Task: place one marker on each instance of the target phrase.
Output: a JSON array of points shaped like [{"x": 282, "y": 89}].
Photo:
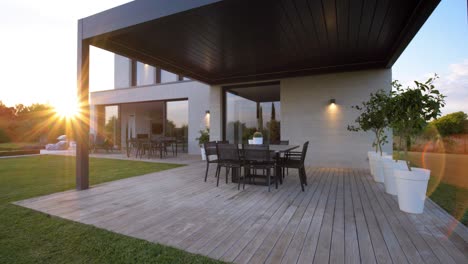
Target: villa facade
[
  {"x": 290, "y": 69},
  {"x": 153, "y": 102}
]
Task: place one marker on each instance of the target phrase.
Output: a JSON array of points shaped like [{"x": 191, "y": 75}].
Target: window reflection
[
  {"x": 177, "y": 121},
  {"x": 145, "y": 74},
  {"x": 112, "y": 125},
  {"x": 168, "y": 77},
  {"x": 246, "y": 116}
]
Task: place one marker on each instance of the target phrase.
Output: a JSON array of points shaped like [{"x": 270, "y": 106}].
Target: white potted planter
[
  {"x": 202, "y": 139},
  {"x": 251, "y": 141},
  {"x": 376, "y": 164},
  {"x": 258, "y": 140},
  {"x": 371, "y": 156},
  {"x": 203, "y": 153},
  {"x": 389, "y": 174},
  {"x": 378, "y": 169},
  {"x": 411, "y": 188}
]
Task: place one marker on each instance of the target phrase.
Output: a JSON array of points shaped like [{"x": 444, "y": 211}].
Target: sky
[{"x": 38, "y": 51}]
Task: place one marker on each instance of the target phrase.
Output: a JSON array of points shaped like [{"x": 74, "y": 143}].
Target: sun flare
[{"x": 66, "y": 109}]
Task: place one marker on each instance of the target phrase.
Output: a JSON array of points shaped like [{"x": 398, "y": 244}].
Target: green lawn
[
  {"x": 451, "y": 198},
  {"x": 27, "y": 236}
]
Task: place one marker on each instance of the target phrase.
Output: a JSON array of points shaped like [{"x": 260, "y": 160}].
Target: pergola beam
[
  {"x": 124, "y": 16},
  {"x": 82, "y": 122}
]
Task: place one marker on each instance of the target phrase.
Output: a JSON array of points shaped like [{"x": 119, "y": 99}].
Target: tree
[
  {"x": 273, "y": 112},
  {"x": 6, "y": 112},
  {"x": 374, "y": 117},
  {"x": 260, "y": 119},
  {"x": 412, "y": 108},
  {"x": 451, "y": 124}
]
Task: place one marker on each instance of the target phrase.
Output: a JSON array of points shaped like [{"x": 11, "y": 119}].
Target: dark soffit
[{"x": 221, "y": 42}]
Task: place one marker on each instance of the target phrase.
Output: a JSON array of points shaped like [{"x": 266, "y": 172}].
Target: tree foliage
[
  {"x": 451, "y": 124},
  {"x": 23, "y": 123},
  {"x": 374, "y": 117},
  {"x": 412, "y": 107}
]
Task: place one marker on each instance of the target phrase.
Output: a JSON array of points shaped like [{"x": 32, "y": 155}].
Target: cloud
[{"x": 453, "y": 84}]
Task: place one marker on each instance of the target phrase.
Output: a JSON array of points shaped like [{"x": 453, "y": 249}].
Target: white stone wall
[
  {"x": 216, "y": 113},
  {"x": 122, "y": 72},
  {"x": 308, "y": 116}
]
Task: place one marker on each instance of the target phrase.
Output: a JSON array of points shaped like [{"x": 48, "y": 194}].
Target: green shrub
[
  {"x": 451, "y": 124},
  {"x": 19, "y": 152},
  {"x": 4, "y": 138}
]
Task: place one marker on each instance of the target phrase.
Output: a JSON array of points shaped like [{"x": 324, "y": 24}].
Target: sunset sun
[{"x": 66, "y": 109}]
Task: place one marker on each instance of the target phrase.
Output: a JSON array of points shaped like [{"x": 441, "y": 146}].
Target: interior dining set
[
  {"x": 263, "y": 164},
  {"x": 159, "y": 146}
]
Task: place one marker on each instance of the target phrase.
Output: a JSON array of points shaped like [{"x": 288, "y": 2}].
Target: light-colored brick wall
[{"x": 308, "y": 116}]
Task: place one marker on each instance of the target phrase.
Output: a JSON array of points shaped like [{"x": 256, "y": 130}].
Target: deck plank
[
  {"x": 398, "y": 221},
  {"x": 402, "y": 247},
  {"x": 382, "y": 254},
  {"x": 342, "y": 217},
  {"x": 337, "y": 250},
  {"x": 351, "y": 241},
  {"x": 310, "y": 243},
  {"x": 294, "y": 250}
]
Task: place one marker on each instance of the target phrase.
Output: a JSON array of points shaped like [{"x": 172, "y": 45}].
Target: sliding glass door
[{"x": 177, "y": 121}]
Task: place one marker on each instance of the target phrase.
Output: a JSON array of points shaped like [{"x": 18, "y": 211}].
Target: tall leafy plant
[
  {"x": 413, "y": 107},
  {"x": 374, "y": 117}
]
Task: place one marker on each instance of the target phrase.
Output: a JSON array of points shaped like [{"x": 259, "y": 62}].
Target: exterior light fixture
[
  {"x": 332, "y": 101},
  {"x": 207, "y": 112}
]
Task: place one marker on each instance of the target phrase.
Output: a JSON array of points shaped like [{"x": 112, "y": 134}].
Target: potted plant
[
  {"x": 258, "y": 138},
  {"x": 202, "y": 139},
  {"x": 413, "y": 108},
  {"x": 389, "y": 165},
  {"x": 373, "y": 118}
]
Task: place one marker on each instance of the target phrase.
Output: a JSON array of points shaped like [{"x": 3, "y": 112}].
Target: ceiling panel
[{"x": 252, "y": 40}]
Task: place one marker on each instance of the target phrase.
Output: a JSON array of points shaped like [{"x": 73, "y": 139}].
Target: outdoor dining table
[
  {"x": 278, "y": 150},
  {"x": 146, "y": 144}
]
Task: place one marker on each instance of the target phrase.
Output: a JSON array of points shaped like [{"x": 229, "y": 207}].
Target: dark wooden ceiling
[{"x": 251, "y": 40}]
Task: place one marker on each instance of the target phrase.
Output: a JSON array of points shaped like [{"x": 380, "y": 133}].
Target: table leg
[{"x": 278, "y": 171}]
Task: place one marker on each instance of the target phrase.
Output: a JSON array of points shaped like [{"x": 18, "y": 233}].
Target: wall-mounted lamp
[
  {"x": 207, "y": 112},
  {"x": 332, "y": 101}
]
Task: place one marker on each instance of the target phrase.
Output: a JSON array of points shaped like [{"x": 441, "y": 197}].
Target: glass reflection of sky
[
  {"x": 111, "y": 111},
  {"x": 177, "y": 112},
  {"x": 244, "y": 110}
]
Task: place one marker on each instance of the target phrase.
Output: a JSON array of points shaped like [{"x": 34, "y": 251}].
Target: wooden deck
[{"x": 342, "y": 217}]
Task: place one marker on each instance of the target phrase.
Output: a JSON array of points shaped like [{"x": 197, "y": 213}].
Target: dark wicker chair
[
  {"x": 258, "y": 157},
  {"x": 295, "y": 160},
  {"x": 229, "y": 158},
  {"x": 210, "y": 152}
]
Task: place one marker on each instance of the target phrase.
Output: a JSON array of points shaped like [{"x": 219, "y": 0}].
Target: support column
[
  {"x": 82, "y": 122},
  {"x": 216, "y": 114}
]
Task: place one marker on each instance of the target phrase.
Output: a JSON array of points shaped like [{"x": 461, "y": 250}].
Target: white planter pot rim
[{"x": 416, "y": 174}]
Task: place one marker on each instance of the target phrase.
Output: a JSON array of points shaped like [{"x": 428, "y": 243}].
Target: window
[
  {"x": 168, "y": 77},
  {"x": 177, "y": 121},
  {"x": 145, "y": 74},
  {"x": 251, "y": 109},
  {"x": 112, "y": 125}
]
